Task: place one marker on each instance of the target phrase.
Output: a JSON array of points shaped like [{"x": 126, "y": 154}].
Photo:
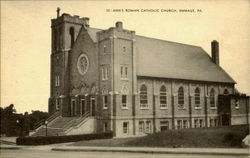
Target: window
[
  {"x": 196, "y": 123},
  {"x": 55, "y": 40},
  {"x": 105, "y": 127},
  {"x": 148, "y": 127},
  {"x": 212, "y": 98},
  {"x": 197, "y": 97},
  {"x": 185, "y": 124},
  {"x": 125, "y": 127},
  {"x": 181, "y": 97},
  {"x": 104, "y": 73},
  {"x": 60, "y": 38},
  {"x": 215, "y": 122},
  {"x": 201, "y": 123},
  {"x": 57, "y": 81},
  {"x": 124, "y": 49},
  {"x": 143, "y": 97},
  {"x": 72, "y": 36},
  {"x": 163, "y": 97},
  {"x": 105, "y": 102},
  {"x": 226, "y": 91},
  {"x": 237, "y": 104},
  {"x": 141, "y": 126},
  {"x": 105, "y": 98},
  {"x": 164, "y": 125},
  {"x": 179, "y": 124},
  {"x": 124, "y": 101},
  {"x": 104, "y": 49},
  {"x": 124, "y": 72},
  {"x": 124, "y": 97},
  {"x": 211, "y": 122},
  {"x": 57, "y": 104}
]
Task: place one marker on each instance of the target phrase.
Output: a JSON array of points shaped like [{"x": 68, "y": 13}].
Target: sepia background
[{"x": 26, "y": 38}]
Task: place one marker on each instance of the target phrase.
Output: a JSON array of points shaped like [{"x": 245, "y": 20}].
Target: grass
[{"x": 222, "y": 137}]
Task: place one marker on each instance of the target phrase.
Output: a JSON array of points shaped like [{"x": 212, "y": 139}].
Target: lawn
[{"x": 224, "y": 137}]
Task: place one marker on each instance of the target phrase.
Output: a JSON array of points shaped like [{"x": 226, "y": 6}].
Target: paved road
[{"x": 43, "y": 153}]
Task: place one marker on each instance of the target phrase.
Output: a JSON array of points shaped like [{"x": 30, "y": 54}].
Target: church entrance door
[
  {"x": 83, "y": 106},
  {"x": 73, "y": 107},
  {"x": 93, "y": 106}
]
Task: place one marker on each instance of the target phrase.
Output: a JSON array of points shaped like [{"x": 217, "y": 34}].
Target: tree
[{"x": 11, "y": 127}]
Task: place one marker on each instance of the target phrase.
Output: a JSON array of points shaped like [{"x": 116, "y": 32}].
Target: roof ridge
[
  {"x": 168, "y": 41},
  {"x": 95, "y": 28}
]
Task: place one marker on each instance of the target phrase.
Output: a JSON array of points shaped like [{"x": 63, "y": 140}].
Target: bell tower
[{"x": 65, "y": 29}]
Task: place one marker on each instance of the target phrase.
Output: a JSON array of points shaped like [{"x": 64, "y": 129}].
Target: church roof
[
  {"x": 92, "y": 33},
  {"x": 158, "y": 58},
  {"x": 165, "y": 59}
]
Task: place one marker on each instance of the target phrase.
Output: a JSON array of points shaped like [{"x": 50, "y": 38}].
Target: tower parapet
[{"x": 75, "y": 19}]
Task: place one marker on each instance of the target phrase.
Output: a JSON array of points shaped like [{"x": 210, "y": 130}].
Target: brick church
[{"x": 115, "y": 80}]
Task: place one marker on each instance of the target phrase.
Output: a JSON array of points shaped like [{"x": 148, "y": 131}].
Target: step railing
[
  {"x": 81, "y": 119},
  {"x": 49, "y": 119},
  {"x": 76, "y": 123}
]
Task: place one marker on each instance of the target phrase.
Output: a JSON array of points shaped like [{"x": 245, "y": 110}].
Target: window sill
[
  {"x": 181, "y": 107},
  {"x": 146, "y": 108},
  {"x": 124, "y": 79},
  {"x": 237, "y": 108},
  {"x": 163, "y": 108},
  {"x": 105, "y": 108},
  {"x": 104, "y": 79},
  {"x": 124, "y": 108},
  {"x": 197, "y": 108},
  {"x": 213, "y": 108}
]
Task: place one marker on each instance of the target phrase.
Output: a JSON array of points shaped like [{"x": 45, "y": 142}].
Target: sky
[{"x": 26, "y": 38}]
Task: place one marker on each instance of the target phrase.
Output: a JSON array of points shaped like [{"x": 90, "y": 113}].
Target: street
[{"x": 44, "y": 153}]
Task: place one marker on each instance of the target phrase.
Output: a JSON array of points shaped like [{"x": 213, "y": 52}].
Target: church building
[{"x": 115, "y": 80}]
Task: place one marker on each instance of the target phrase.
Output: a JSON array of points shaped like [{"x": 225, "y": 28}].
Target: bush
[{"x": 43, "y": 140}]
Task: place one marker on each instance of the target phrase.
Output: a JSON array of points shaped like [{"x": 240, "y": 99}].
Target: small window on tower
[
  {"x": 104, "y": 73},
  {"x": 104, "y": 49},
  {"x": 105, "y": 102},
  {"x": 124, "y": 49},
  {"x": 72, "y": 36},
  {"x": 237, "y": 104},
  {"x": 57, "y": 81},
  {"x": 55, "y": 40},
  {"x": 124, "y": 72}
]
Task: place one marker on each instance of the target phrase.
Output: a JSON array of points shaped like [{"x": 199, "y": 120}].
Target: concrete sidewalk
[
  {"x": 9, "y": 143},
  {"x": 199, "y": 151}
]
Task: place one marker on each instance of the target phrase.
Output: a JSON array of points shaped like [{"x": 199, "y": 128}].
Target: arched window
[
  {"x": 72, "y": 36},
  {"x": 212, "y": 98},
  {"x": 181, "y": 97},
  {"x": 59, "y": 46},
  {"x": 197, "y": 97},
  {"x": 55, "y": 40},
  {"x": 226, "y": 91},
  {"x": 163, "y": 97},
  {"x": 143, "y": 96}
]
